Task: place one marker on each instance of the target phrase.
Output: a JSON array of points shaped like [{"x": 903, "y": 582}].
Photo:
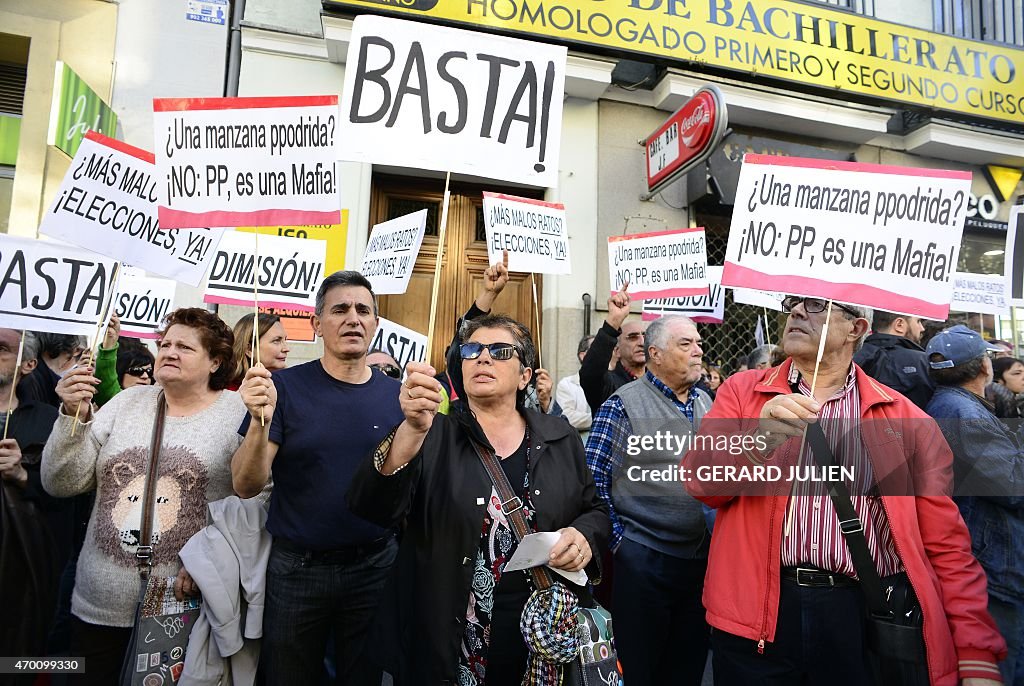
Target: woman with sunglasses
[
  {"x": 457, "y": 538},
  {"x": 384, "y": 363},
  {"x": 273, "y": 344}
]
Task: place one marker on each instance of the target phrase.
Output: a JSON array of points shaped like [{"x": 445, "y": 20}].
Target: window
[{"x": 998, "y": 21}]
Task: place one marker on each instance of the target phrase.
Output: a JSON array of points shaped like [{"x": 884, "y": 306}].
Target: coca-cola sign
[{"x": 686, "y": 138}]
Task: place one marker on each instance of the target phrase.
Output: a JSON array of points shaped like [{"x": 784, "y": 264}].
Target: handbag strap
[
  {"x": 511, "y": 507},
  {"x": 850, "y": 525},
  {"x": 144, "y": 554}
]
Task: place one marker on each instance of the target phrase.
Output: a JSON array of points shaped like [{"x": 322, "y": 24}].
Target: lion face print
[{"x": 179, "y": 509}]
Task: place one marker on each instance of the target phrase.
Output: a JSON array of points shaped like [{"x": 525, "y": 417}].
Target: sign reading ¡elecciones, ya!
[
  {"x": 432, "y": 97},
  {"x": 532, "y": 231},
  {"x": 867, "y": 234}
]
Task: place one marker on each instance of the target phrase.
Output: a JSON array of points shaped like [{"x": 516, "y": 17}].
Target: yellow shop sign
[{"x": 810, "y": 45}]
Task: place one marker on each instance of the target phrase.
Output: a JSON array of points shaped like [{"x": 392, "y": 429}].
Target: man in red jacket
[{"x": 775, "y": 624}]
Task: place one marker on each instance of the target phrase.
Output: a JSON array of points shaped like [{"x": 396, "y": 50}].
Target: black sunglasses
[
  {"x": 389, "y": 369},
  {"x": 813, "y": 305},
  {"x": 140, "y": 371},
  {"x": 497, "y": 351}
]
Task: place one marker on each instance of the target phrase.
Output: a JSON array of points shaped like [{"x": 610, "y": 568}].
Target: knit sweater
[{"x": 110, "y": 453}]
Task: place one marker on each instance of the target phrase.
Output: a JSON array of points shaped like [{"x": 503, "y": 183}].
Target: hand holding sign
[
  {"x": 543, "y": 389},
  {"x": 420, "y": 396},
  {"x": 113, "y": 332},
  {"x": 618, "y": 307},
  {"x": 76, "y": 389},
  {"x": 259, "y": 393}
]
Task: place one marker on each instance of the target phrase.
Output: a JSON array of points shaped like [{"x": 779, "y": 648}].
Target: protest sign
[
  {"x": 405, "y": 345},
  {"x": 48, "y": 286},
  {"x": 246, "y": 161},
  {"x": 1013, "y": 258},
  {"x": 287, "y": 275},
  {"x": 391, "y": 253},
  {"x": 661, "y": 264},
  {"x": 758, "y": 298},
  {"x": 336, "y": 236},
  {"x": 708, "y": 308},
  {"x": 867, "y": 234},
  {"x": 141, "y": 303},
  {"x": 982, "y": 293},
  {"x": 427, "y": 96},
  {"x": 107, "y": 204},
  {"x": 297, "y": 325},
  {"x": 533, "y": 232}
]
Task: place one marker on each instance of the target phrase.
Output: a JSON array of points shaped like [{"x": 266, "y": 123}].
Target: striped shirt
[{"x": 812, "y": 535}]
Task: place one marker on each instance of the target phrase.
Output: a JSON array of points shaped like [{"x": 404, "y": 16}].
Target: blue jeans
[
  {"x": 307, "y": 596},
  {"x": 661, "y": 635},
  {"x": 1009, "y": 616}
]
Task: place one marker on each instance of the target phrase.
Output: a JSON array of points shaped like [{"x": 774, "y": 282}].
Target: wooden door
[{"x": 463, "y": 265}]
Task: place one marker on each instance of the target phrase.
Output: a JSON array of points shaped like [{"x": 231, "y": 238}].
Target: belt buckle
[
  {"x": 518, "y": 505},
  {"x": 831, "y": 578}
]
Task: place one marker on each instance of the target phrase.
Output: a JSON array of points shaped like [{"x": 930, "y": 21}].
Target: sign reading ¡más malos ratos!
[{"x": 686, "y": 139}]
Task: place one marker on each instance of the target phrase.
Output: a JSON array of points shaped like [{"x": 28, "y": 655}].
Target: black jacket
[
  {"x": 898, "y": 363},
  {"x": 441, "y": 496},
  {"x": 597, "y": 382}
]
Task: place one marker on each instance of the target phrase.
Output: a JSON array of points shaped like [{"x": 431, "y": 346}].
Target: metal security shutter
[{"x": 12, "y": 87}]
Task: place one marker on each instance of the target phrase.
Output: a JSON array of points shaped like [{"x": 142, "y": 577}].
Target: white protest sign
[
  {"x": 405, "y": 345},
  {"x": 983, "y": 293},
  {"x": 107, "y": 203},
  {"x": 427, "y": 96},
  {"x": 1013, "y": 258},
  {"x": 867, "y": 234},
  {"x": 758, "y": 298},
  {"x": 533, "y": 232},
  {"x": 49, "y": 286},
  {"x": 141, "y": 303},
  {"x": 708, "y": 308},
  {"x": 391, "y": 253},
  {"x": 289, "y": 271},
  {"x": 246, "y": 161},
  {"x": 663, "y": 264}
]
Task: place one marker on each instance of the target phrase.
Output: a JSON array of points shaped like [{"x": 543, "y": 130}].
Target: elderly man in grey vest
[{"x": 637, "y": 440}]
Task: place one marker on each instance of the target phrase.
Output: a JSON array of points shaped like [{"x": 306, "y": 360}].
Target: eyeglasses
[
  {"x": 813, "y": 305},
  {"x": 140, "y": 371},
  {"x": 389, "y": 369},
  {"x": 498, "y": 351}
]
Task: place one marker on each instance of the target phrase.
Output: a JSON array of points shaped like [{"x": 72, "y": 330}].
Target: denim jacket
[{"x": 989, "y": 469}]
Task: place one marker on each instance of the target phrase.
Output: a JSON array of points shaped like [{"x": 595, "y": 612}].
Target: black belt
[
  {"x": 343, "y": 555},
  {"x": 813, "y": 577}
]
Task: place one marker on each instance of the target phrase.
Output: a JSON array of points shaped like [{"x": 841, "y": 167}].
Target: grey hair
[
  {"x": 656, "y": 335},
  {"x": 345, "y": 277},
  {"x": 762, "y": 353},
  {"x": 31, "y": 351},
  {"x": 866, "y": 313}
]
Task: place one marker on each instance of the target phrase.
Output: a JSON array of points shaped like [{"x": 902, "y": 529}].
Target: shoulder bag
[
  {"x": 895, "y": 625},
  {"x": 156, "y": 651},
  {"x": 570, "y": 645}
]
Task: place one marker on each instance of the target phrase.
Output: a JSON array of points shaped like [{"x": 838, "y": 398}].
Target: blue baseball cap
[{"x": 957, "y": 345}]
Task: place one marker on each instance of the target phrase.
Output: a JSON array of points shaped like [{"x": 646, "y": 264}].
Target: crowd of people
[{"x": 389, "y": 536}]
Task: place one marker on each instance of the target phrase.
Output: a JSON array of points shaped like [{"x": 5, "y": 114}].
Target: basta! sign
[{"x": 686, "y": 139}]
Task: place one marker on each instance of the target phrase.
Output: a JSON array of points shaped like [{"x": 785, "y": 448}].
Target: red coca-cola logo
[{"x": 695, "y": 121}]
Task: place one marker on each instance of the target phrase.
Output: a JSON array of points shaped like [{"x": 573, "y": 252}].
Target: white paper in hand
[{"x": 533, "y": 551}]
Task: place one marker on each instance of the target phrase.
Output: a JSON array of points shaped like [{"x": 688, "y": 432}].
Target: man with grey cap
[{"x": 988, "y": 468}]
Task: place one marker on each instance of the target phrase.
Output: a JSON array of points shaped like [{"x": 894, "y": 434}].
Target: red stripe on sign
[
  {"x": 148, "y": 335},
  {"x": 221, "y": 300},
  {"x": 612, "y": 239},
  {"x": 121, "y": 146},
  {"x": 669, "y": 293},
  {"x": 185, "y": 104},
  {"x": 530, "y": 201},
  {"x": 808, "y": 163},
  {"x": 177, "y": 219},
  {"x": 869, "y": 296}
]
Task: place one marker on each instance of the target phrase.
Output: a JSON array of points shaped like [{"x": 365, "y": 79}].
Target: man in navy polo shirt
[{"x": 321, "y": 419}]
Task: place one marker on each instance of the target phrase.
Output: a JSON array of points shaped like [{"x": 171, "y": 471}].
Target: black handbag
[
  {"x": 596, "y": 662},
  {"x": 895, "y": 625},
  {"x": 160, "y": 633}
]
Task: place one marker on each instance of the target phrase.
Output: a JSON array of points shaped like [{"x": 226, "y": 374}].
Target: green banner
[
  {"x": 75, "y": 110},
  {"x": 10, "y": 133}
]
